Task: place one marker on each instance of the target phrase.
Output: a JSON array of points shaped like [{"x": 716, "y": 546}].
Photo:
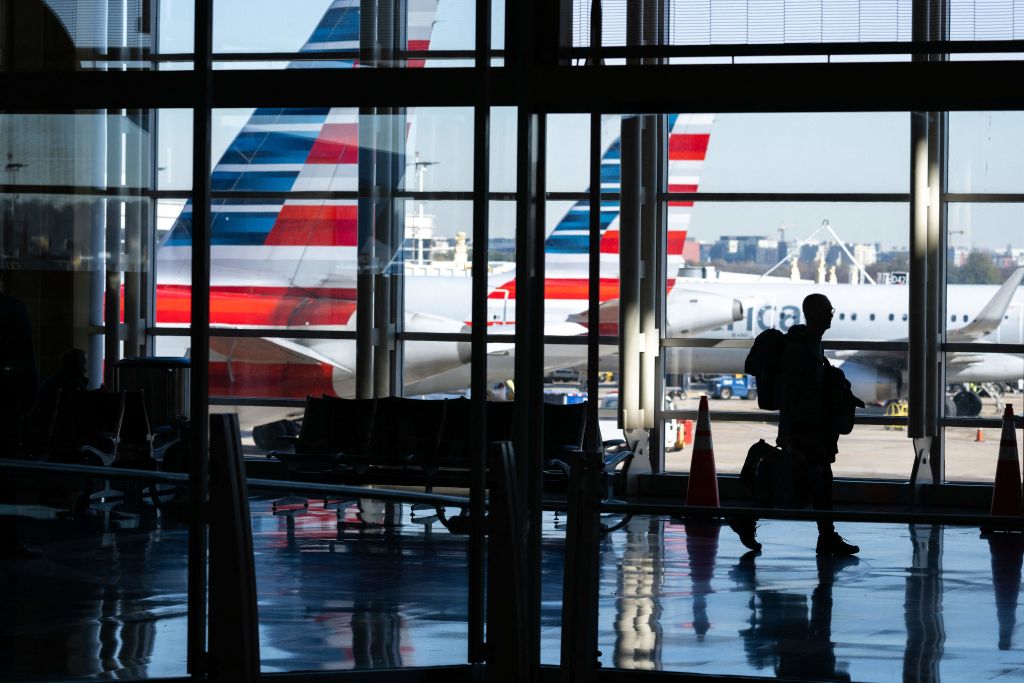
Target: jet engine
[
  {"x": 869, "y": 384},
  {"x": 688, "y": 311}
]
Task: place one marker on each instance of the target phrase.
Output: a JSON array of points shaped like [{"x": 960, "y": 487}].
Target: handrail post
[{"x": 582, "y": 569}]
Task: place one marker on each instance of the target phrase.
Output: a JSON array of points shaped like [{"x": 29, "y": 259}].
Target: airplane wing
[
  {"x": 991, "y": 315},
  {"x": 987, "y": 320},
  {"x": 273, "y": 350}
]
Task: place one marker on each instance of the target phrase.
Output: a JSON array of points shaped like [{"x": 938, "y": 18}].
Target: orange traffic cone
[
  {"x": 702, "y": 488},
  {"x": 680, "y": 441},
  {"x": 1006, "y": 494},
  {"x": 979, "y": 435}
]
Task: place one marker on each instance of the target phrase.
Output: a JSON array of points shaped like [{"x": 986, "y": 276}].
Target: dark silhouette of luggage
[{"x": 776, "y": 478}]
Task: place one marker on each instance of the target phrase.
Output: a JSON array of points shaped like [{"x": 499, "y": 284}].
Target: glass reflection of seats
[
  {"x": 85, "y": 428},
  {"x": 108, "y": 428}
]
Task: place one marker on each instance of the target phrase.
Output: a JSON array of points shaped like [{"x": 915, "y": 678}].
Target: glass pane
[
  {"x": 501, "y": 265},
  {"x": 984, "y": 20},
  {"x": 318, "y": 149},
  {"x": 981, "y": 384},
  {"x": 503, "y": 149},
  {"x": 436, "y": 259},
  {"x": 730, "y": 22},
  {"x": 769, "y": 273},
  {"x": 436, "y": 369},
  {"x": 981, "y": 151},
  {"x": 439, "y": 149},
  {"x": 177, "y": 26},
  {"x": 174, "y": 152},
  {"x": 810, "y": 152},
  {"x": 76, "y": 231},
  {"x": 280, "y": 367},
  {"x": 119, "y": 609},
  {"x": 329, "y": 34},
  {"x": 568, "y": 153},
  {"x": 385, "y": 583},
  {"x": 878, "y": 378},
  {"x": 971, "y": 452},
  {"x": 982, "y": 257},
  {"x": 84, "y": 35}
]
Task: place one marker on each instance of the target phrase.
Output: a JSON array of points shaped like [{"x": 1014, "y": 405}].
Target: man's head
[{"x": 818, "y": 313}]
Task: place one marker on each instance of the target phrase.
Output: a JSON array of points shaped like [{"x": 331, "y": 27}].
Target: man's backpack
[{"x": 764, "y": 362}]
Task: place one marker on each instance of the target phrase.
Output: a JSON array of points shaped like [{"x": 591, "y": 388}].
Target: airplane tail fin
[
  {"x": 689, "y": 135},
  {"x": 298, "y": 149}
]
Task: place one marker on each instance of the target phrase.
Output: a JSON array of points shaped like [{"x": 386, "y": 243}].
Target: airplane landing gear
[{"x": 993, "y": 390}]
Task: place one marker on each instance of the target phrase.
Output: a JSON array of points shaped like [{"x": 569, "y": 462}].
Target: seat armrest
[{"x": 613, "y": 459}]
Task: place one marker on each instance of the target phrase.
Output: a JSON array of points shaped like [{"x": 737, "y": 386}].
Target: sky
[{"x": 816, "y": 152}]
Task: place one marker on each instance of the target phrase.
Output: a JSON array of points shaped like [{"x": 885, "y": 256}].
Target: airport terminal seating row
[{"x": 400, "y": 441}]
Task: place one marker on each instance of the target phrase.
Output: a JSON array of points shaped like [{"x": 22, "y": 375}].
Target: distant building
[{"x": 747, "y": 249}]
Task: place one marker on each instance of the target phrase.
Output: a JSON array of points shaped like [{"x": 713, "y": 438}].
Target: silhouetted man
[
  {"x": 808, "y": 425},
  {"x": 804, "y": 427}
]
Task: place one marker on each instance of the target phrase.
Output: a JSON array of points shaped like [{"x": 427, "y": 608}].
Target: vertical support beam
[
  {"x": 592, "y": 439},
  {"x": 386, "y": 178},
  {"x": 396, "y": 280},
  {"x": 649, "y": 271},
  {"x": 656, "y": 456},
  {"x": 138, "y": 172},
  {"x": 476, "y": 646},
  {"x": 148, "y": 239},
  {"x": 918, "y": 330},
  {"x": 92, "y": 217},
  {"x": 200, "y": 340},
  {"x": 389, "y": 220},
  {"x": 366, "y": 257},
  {"x": 936, "y": 295},
  {"x": 529, "y": 362},
  {"x": 629, "y": 276},
  {"x": 112, "y": 251}
]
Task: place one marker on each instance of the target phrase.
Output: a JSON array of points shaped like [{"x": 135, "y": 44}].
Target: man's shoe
[
  {"x": 833, "y": 544},
  {"x": 746, "y": 529}
]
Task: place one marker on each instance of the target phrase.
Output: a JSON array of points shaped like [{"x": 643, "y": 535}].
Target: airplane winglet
[{"x": 989, "y": 318}]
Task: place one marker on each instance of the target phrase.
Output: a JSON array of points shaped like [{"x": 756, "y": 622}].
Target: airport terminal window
[
  {"x": 766, "y": 256},
  {"x": 979, "y": 151},
  {"x": 332, "y": 35},
  {"x": 78, "y": 214},
  {"x": 705, "y": 23}
]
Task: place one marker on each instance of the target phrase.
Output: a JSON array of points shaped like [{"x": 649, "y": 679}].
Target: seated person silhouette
[{"x": 72, "y": 375}]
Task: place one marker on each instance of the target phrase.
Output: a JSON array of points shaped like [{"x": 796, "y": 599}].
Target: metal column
[
  {"x": 476, "y": 647},
  {"x": 529, "y": 362},
  {"x": 200, "y": 341}
]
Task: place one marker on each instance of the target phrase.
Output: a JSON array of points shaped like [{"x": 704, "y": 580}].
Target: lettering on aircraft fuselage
[{"x": 764, "y": 318}]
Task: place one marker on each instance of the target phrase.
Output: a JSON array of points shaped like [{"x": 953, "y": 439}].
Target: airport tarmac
[{"x": 870, "y": 451}]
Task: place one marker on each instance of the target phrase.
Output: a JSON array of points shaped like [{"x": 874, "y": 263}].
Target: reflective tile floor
[{"x": 107, "y": 599}]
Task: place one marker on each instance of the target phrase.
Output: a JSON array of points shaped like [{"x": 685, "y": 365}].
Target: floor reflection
[
  {"x": 97, "y": 602},
  {"x": 781, "y": 634},
  {"x": 921, "y": 604},
  {"x": 926, "y": 635},
  {"x": 690, "y": 599}
]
